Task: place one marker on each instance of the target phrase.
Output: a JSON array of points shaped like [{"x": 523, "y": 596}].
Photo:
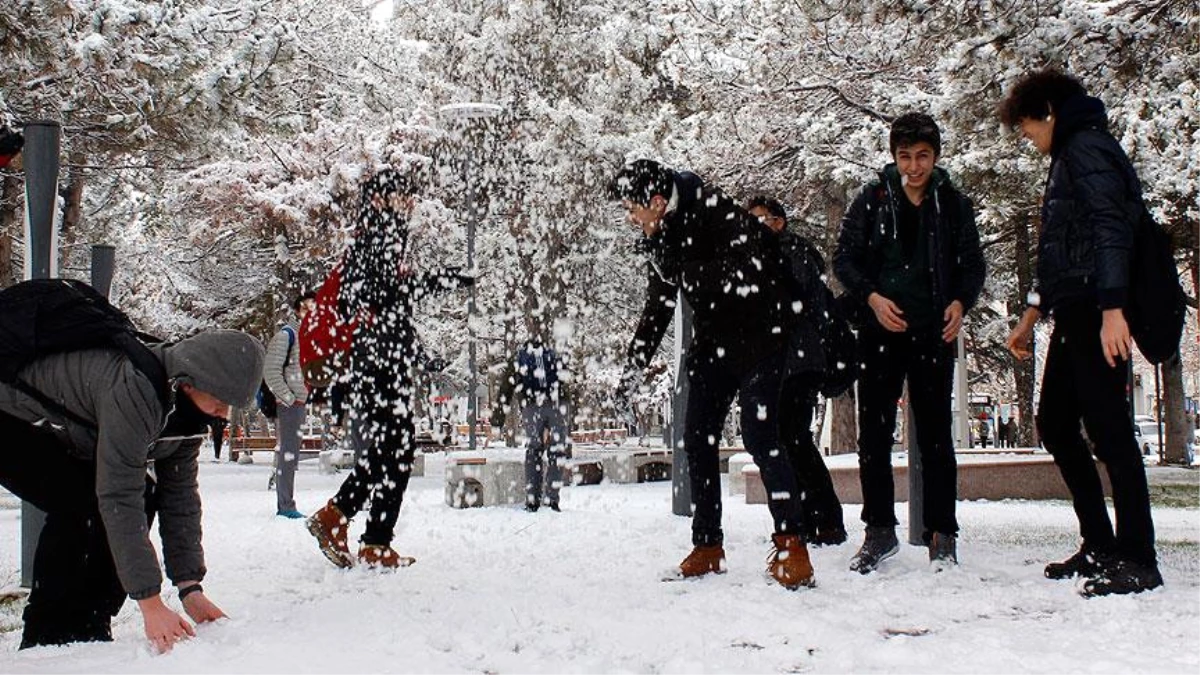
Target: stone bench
[
  {"x": 990, "y": 478},
  {"x": 474, "y": 479},
  {"x": 335, "y": 459},
  {"x": 636, "y": 465}
]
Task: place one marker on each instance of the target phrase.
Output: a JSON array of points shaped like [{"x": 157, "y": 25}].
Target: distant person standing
[
  {"x": 1091, "y": 205},
  {"x": 217, "y": 428},
  {"x": 533, "y": 378},
  {"x": 281, "y": 372},
  {"x": 908, "y": 254}
]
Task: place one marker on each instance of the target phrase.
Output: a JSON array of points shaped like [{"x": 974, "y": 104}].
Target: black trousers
[
  {"x": 1078, "y": 384},
  {"x": 381, "y": 410},
  {"x": 712, "y": 386},
  {"x": 821, "y": 509},
  {"x": 927, "y": 362},
  {"x": 76, "y": 591}
]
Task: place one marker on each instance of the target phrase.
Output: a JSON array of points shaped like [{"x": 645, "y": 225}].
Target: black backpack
[
  {"x": 841, "y": 348},
  {"x": 838, "y": 342},
  {"x": 1157, "y": 305},
  {"x": 49, "y": 316}
]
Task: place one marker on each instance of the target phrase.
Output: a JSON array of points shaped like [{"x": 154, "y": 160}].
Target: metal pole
[
  {"x": 916, "y": 479},
  {"x": 962, "y": 419},
  {"x": 103, "y": 261},
  {"x": 42, "y": 142},
  {"x": 472, "y": 402},
  {"x": 1158, "y": 420},
  {"x": 681, "y": 484}
]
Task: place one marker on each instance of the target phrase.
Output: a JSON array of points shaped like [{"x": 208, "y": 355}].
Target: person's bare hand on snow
[{"x": 163, "y": 627}]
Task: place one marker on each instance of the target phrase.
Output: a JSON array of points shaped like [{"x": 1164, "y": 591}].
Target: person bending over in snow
[
  {"x": 804, "y": 268},
  {"x": 379, "y": 288},
  {"x": 85, "y": 441},
  {"x": 715, "y": 254}
]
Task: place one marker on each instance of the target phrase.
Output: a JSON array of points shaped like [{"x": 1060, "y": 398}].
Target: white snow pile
[{"x": 499, "y": 590}]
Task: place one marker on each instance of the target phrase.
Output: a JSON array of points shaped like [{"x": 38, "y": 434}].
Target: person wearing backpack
[
  {"x": 533, "y": 378},
  {"x": 703, "y": 246},
  {"x": 102, "y": 439},
  {"x": 807, "y": 364},
  {"x": 281, "y": 372},
  {"x": 1091, "y": 207},
  {"x": 908, "y": 254},
  {"x": 379, "y": 287}
]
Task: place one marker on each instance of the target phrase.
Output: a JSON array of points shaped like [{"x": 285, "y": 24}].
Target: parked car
[{"x": 1147, "y": 437}]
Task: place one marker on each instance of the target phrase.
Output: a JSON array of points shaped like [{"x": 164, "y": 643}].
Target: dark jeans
[
  {"x": 712, "y": 386},
  {"x": 76, "y": 591},
  {"x": 382, "y": 412},
  {"x": 1078, "y": 384},
  {"x": 927, "y": 363},
  {"x": 218, "y": 436},
  {"x": 546, "y": 432},
  {"x": 820, "y": 505}
]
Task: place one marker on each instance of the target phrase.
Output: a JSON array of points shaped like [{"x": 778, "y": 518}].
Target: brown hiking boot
[
  {"x": 788, "y": 563},
  {"x": 331, "y": 528},
  {"x": 373, "y": 555},
  {"x": 703, "y": 560}
]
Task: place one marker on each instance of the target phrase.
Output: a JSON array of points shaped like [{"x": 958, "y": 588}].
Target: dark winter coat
[
  {"x": 722, "y": 260},
  {"x": 1092, "y": 201},
  {"x": 126, "y": 431},
  {"x": 512, "y": 390},
  {"x": 806, "y": 287},
  {"x": 952, "y": 241},
  {"x": 381, "y": 291}
]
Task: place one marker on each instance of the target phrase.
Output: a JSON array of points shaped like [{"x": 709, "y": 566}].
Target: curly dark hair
[{"x": 1035, "y": 95}]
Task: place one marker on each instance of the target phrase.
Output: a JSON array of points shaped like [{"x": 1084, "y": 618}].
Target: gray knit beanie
[{"x": 227, "y": 364}]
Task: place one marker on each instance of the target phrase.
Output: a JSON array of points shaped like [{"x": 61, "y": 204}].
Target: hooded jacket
[
  {"x": 724, "y": 262},
  {"x": 1092, "y": 201},
  {"x": 952, "y": 241},
  {"x": 103, "y": 387}
]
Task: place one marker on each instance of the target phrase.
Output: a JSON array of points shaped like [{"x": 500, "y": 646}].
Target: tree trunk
[
  {"x": 1174, "y": 414},
  {"x": 843, "y": 429},
  {"x": 73, "y": 194},
  {"x": 843, "y": 434},
  {"x": 1024, "y": 373},
  {"x": 10, "y": 226}
]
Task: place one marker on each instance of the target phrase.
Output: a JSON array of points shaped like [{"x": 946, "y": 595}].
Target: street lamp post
[{"x": 465, "y": 114}]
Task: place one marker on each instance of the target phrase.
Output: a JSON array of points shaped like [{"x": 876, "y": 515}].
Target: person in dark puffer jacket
[
  {"x": 92, "y": 482},
  {"x": 908, "y": 250},
  {"x": 1092, "y": 202}
]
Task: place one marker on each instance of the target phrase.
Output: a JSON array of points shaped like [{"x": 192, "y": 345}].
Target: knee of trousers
[{"x": 1057, "y": 433}]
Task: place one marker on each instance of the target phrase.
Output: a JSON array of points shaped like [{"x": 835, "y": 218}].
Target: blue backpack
[{"x": 537, "y": 369}]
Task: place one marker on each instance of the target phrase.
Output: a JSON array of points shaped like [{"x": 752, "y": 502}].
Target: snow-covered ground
[{"x": 499, "y": 590}]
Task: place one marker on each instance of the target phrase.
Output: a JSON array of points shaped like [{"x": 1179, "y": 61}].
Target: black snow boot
[
  {"x": 879, "y": 545},
  {"x": 1085, "y": 563},
  {"x": 1123, "y": 577}
]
